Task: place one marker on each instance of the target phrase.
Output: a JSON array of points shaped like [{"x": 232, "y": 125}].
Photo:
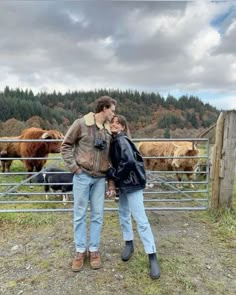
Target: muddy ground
[{"x": 36, "y": 253}]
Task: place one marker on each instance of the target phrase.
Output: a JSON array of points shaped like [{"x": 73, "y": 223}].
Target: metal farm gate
[
  {"x": 20, "y": 192},
  {"x": 163, "y": 191}
]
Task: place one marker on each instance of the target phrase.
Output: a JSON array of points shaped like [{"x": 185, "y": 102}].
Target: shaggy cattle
[
  {"x": 170, "y": 149},
  {"x": 37, "y": 149},
  {"x": 7, "y": 150},
  {"x": 56, "y": 179}
]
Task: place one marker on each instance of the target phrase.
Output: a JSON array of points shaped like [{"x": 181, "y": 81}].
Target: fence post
[
  {"x": 215, "y": 168},
  {"x": 228, "y": 160},
  {"x": 223, "y": 161}
]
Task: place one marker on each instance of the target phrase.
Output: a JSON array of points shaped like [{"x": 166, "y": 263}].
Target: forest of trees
[{"x": 142, "y": 109}]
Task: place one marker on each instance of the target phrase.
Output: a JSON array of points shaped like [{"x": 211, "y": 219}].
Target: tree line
[{"x": 140, "y": 108}]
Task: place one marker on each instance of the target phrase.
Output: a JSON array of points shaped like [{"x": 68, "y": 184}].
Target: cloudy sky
[{"x": 172, "y": 47}]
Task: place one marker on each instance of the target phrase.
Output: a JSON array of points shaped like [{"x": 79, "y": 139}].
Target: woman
[{"x": 129, "y": 175}]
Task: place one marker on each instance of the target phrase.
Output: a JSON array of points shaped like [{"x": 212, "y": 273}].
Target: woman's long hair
[{"x": 122, "y": 120}]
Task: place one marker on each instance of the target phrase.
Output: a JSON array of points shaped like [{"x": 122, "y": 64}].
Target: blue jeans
[
  {"x": 132, "y": 204},
  {"x": 88, "y": 188}
]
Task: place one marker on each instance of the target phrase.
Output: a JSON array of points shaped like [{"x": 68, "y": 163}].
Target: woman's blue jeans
[
  {"x": 132, "y": 204},
  {"x": 88, "y": 190}
]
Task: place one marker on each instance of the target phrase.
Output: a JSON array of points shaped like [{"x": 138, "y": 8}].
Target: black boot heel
[
  {"x": 127, "y": 251},
  {"x": 154, "y": 267}
]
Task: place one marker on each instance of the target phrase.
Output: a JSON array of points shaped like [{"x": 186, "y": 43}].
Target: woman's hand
[{"x": 110, "y": 193}]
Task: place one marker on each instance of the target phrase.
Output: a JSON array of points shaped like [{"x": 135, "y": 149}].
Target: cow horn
[{"x": 45, "y": 135}]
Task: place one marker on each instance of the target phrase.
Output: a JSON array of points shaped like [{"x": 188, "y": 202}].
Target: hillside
[{"x": 149, "y": 114}]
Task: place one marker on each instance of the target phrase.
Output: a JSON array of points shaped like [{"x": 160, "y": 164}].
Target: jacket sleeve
[
  {"x": 125, "y": 161},
  {"x": 72, "y": 135}
]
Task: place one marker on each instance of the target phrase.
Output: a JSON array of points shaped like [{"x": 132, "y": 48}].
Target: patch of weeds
[
  {"x": 11, "y": 284},
  {"x": 153, "y": 218},
  {"x": 55, "y": 243},
  {"x": 101, "y": 280},
  {"x": 111, "y": 224},
  {"x": 214, "y": 286},
  {"x": 224, "y": 222},
  {"x": 139, "y": 263},
  {"x": 61, "y": 253},
  {"x": 111, "y": 219},
  {"x": 31, "y": 219},
  {"x": 187, "y": 283},
  {"x": 228, "y": 261},
  {"x": 44, "y": 264},
  {"x": 177, "y": 268},
  {"x": 41, "y": 280},
  {"x": 141, "y": 285}
]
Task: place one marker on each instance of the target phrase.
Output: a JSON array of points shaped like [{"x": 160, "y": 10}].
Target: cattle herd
[
  {"x": 30, "y": 149},
  {"x": 165, "y": 156},
  {"x": 171, "y": 156},
  {"x": 28, "y": 146}
]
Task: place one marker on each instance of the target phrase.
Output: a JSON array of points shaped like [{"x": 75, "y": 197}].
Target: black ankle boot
[
  {"x": 127, "y": 250},
  {"x": 154, "y": 267}
]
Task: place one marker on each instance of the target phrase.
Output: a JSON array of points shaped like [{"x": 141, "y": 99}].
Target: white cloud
[
  {"x": 78, "y": 18},
  {"x": 203, "y": 44}
]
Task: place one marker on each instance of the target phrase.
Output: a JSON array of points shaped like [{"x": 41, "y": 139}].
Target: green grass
[
  {"x": 135, "y": 275},
  {"x": 31, "y": 219},
  {"x": 223, "y": 219},
  {"x": 224, "y": 222},
  {"x": 178, "y": 269}
]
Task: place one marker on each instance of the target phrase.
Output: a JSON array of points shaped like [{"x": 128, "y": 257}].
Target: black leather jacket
[{"x": 127, "y": 164}]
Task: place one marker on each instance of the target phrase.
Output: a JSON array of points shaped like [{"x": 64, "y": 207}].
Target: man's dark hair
[{"x": 104, "y": 101}]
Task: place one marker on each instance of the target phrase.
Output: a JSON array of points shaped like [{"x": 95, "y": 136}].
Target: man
[{"x": 85, "y": 151}]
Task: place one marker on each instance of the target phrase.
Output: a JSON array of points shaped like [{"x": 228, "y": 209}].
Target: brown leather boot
[
  {"x": 78, "y": 261},
  {"x": 95, "y": 260}
]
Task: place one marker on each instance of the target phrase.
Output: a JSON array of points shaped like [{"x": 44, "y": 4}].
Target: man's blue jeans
[
  {"x": 132, "y": 204},
  {"x": 88, "y": 188}
]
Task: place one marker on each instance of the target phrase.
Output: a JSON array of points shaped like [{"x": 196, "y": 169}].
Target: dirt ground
[{"x": 194, "y": 258}]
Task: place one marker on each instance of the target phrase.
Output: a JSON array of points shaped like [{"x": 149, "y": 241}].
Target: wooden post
[
  {"x": 215, "y": 168},
  {"x": 228, "y": 160},
  {"x": 224, "y": 161}
]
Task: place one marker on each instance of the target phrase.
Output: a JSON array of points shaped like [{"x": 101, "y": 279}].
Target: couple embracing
[{"x": 95, "y": 148}]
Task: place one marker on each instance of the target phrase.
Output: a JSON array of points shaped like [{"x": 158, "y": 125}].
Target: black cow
[{"x": 56, "y": 181}]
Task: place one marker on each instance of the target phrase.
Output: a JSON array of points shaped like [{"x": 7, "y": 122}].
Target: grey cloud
[
  {"x": 228, "y": 42},
  {"x": 69, "y": 43}
]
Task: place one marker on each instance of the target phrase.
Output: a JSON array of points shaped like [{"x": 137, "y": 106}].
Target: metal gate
[
  {"x": 163, "y": 191},
  {"x": 20, "y": 193}
]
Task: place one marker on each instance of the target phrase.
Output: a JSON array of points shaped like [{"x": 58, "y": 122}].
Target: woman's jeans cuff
[{"x": 81, "y": 250}]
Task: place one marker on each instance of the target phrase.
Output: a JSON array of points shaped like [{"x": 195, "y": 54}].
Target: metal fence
[{"x": 19, "y": 192}]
